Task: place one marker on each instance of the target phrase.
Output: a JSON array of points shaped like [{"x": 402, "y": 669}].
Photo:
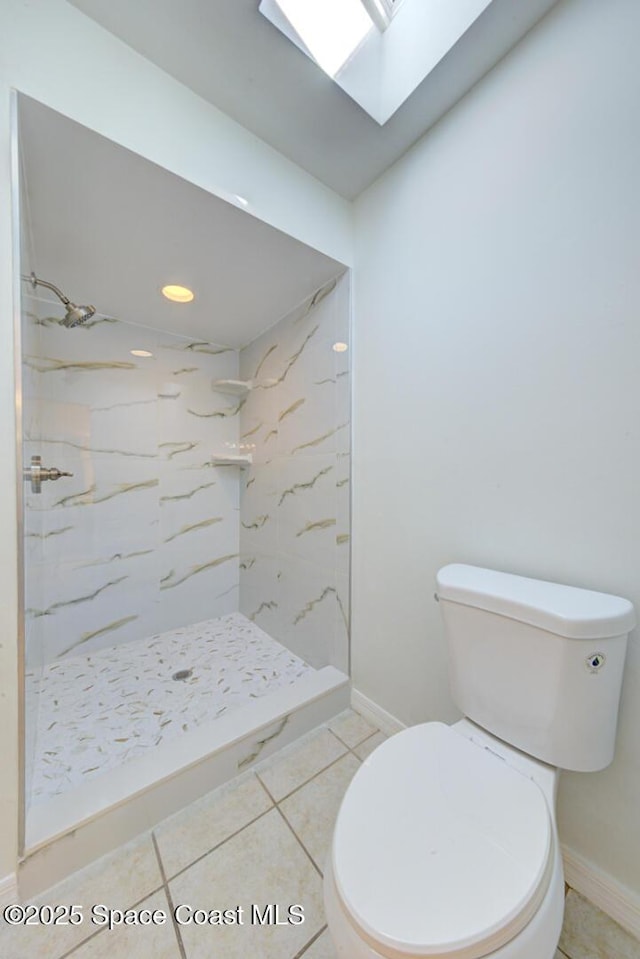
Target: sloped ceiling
[
  {"x": 111, "y": 228},
  {"x": 232, "y": 56}
]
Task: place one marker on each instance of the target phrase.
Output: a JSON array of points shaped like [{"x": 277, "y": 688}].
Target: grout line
[
  {"x": 310, "y": 943},
  {"x": 167, "y": 892},
  {"x": 300, "y": 842},
  {"x": 221, "y": 843},
  {"x": 274, "y": 805},
  {"x": 93, "y": 935},
  {"x": 355, "y": 745},
  {"x": 311, "y": 778},
  {"x": 295, "y": 834},
  {"x": 352, "y": 749}
]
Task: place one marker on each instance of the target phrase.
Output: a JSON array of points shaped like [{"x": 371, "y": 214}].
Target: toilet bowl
[{"x": 445, "y": 844}]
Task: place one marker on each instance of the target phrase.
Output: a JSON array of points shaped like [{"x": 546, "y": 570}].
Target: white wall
[
  {"x": 55, "y": 54},
  {"x": 497, "y": 374}
]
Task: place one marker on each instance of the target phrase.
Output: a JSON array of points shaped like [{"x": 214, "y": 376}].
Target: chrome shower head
[{"x": 75, "y": 315}]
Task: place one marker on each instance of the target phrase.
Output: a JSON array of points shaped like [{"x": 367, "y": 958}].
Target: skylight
[
  {"x": 377, "y": 51},
  {"x": 332, "y": 30}
]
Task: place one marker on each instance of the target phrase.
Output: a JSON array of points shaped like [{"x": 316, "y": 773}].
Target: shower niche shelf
[
  {"x": 243, "y": 460},
  {"x": 232, "y": 387}
]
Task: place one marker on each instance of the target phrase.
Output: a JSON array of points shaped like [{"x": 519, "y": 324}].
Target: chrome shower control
[{"x": 37, "y": 474}]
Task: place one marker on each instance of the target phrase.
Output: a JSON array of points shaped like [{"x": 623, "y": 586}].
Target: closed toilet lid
[{"x": 440, "y": 846}]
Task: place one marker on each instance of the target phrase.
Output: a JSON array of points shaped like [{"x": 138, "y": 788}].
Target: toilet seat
[{"x": 440, "y": 847}]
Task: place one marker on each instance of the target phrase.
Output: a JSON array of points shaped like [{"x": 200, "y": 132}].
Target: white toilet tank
[{"x": 537, "y": 664}]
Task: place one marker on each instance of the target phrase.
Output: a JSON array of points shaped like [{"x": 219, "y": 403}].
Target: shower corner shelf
[
  {"x": 233, "y": 387},
  {"x": 243, "y": 460}
]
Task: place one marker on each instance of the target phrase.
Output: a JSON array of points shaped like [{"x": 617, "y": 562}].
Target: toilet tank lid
[{"x": 564, "y": 610}]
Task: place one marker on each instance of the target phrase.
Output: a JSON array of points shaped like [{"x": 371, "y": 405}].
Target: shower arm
[{"x": 34, "y": 281}]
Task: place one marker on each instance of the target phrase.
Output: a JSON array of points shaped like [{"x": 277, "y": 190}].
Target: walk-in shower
[{"x": 186, "y": 560}]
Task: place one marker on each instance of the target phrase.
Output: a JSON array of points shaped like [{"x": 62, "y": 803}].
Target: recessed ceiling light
[
  {"x": 179, "y": 294},
  {"x": 340, "y": 347},
  {"x": 140, "y": 353},
  {"x": 242, "y": 200},
  {"x": 332, "y": 30}
]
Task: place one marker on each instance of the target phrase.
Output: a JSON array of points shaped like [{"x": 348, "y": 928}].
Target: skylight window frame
[{"x": 389, "y": 64}]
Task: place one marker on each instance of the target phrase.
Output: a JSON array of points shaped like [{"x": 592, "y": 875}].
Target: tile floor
[
  {"x": 261, "y": 839},
  {"x": 102, "y": 709}
]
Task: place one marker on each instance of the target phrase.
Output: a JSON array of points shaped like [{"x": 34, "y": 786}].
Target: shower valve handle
[
  {"x": 37, "y": 474},
  {"x": 54, "y": 473}
]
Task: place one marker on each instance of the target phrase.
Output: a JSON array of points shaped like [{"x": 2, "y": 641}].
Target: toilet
[{"x": 446, "y": 844}]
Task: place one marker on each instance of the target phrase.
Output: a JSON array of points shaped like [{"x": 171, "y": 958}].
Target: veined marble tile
[
  {"x": 300, "y": 481},
  {"x": 88, "y": 534},
  {"x": 260, "y": 491},
  {"x": 200, "y": 417},
  {"x": 181, "y": 489},
  {"x": 95, "y": 378},
  {"x": 315, "y": 363},
  {"x": 343, "y": 515},
  {"x": 299, "y": 408},
  {"x": 143, "y": 498},
  {"x": 100, "y": 483},
  {"x": 306, "y": 411},
  {"x": 339, "y": 651},
  {"x": 308, "y": 610},
  {"x": 101, "y": 710},
  {"x": 119, "y": 429},
  {"x": 179, "y": 353},
  {"x": 259, "y": 527},
  {"x": 209, "y": 588},
  {"x": 260, "y": 591},
  {"x": 307, "y": 507}
]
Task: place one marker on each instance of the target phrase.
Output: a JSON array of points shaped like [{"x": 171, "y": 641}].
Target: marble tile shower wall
[
  {"x": 30, "y": 346},
  {"x": 294, "y": 529},
  {"x": 144, "y": 536}
]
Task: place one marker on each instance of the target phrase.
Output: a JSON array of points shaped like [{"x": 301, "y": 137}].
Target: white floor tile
[
  {"x": 588, "y": 933},
  {"x": 366, "y": 748},
  {"x": 204, "y": 824},
  {"x": 322, "y": 948},
  {"x": 351, "y": 728},
  {"x": 135, "y": 941},
  {"x": 312, "y": 810},
  {"x": 263, "y": 864},
  {"x": 118, "y": 881},
  {"x": 299, "y": 762}
]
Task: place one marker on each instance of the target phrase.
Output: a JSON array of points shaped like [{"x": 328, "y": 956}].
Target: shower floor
[{"x": 107, "y": 708}]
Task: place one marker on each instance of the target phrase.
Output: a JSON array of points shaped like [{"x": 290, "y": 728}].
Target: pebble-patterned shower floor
[{"x": 106, "y": 708}]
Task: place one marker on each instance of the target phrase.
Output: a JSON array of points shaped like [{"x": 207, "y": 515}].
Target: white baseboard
[
  {"x": 616, "y": 900},
  {"x": 375, "y": 714},
  {"x": 8, "y": 891}
]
